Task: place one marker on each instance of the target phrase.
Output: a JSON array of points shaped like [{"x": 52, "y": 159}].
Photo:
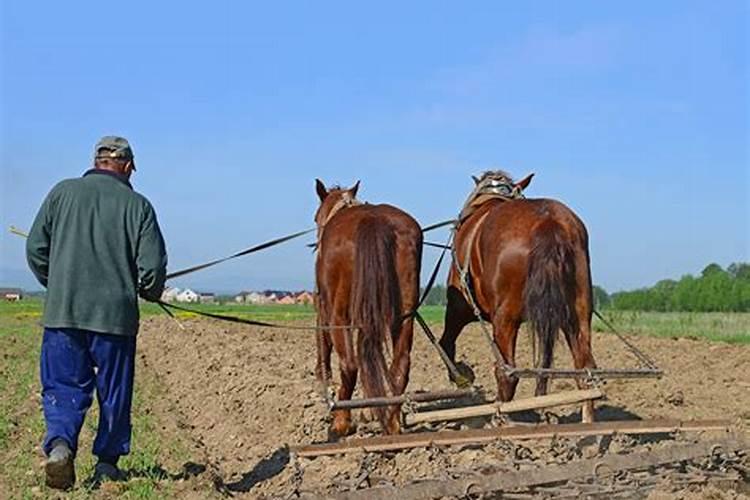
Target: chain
[
  {"x": 298, "y": 474},
  {"x": 592, "y": 379},
  {"x": 463, "y": 275},
  {"x": 631, "y": 347}
]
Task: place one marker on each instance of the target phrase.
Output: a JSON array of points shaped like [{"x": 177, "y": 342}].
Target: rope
[
  {"x": 632, "y": 347},
  {"x": 450, "y": 365},
  {"x": 438, "y": 225}
]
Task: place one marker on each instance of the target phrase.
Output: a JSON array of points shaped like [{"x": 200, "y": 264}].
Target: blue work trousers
[{"x": 74, "y": 364}]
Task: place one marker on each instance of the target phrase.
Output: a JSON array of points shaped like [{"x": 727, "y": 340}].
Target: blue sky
[{"x": 633, "y": 113}]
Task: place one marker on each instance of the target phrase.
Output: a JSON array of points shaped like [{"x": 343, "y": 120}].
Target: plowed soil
[{"x": 243, "y": 394}]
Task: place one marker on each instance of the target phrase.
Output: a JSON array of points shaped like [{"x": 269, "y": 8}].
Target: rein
[
  {"x": 247, "y": 251},
  {"x": 234, "y": 319},
  {"x": 167, "y": 307}
]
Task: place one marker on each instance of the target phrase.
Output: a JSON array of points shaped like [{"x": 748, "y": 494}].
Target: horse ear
[
  {"x": 321, "y": 189},
  {"x": 476, "y": 179},
  {"x": 524, "y": 183},
  {"x": 353, "y": 190}
]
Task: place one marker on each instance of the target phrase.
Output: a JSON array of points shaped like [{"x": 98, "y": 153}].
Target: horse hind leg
[
  {"x": 342, "y": 419},
  {"x": 323, "y": 367},
  {"x": 505, "y": 329},
  {"x": 342, "y": 340},
  {"x": 580, "y": 349},
  {"x": 399, "y": 372}
]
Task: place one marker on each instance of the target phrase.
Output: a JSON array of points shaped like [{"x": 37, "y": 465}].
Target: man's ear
[
  {"x": 524, "y": 183},
  {"x": 476, "y": 179},
  {"x": 321, "y": 189},
  {"x": 353, "y": 190}
]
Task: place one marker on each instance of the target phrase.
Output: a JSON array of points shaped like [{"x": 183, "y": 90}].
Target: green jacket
[{"x": 96, "y": 245}]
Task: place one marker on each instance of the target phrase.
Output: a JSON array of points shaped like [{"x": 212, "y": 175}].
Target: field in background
[
  {"x": 725, "y": 327},
  {"x": 21, "y": 424}
]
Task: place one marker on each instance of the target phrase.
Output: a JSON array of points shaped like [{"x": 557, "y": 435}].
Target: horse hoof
[
  {"x": 394, "y": 427},
  {"x": 465, "y": 376},
  {"x": 341, "y": 429}
]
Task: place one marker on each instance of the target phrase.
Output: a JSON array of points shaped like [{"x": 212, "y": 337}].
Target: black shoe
[
  {"x": 104, "y": 471},
  {"x": 59, "y": 468}
]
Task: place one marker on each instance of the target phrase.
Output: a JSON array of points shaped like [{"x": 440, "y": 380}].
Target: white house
[
  {"x": 187, "y": 295},
  {"x": 170, "y": 294},
  {"x": 11, "y": 294},
  {"x": 252, "y": 298},
  {"x": 256, "y": 298}
]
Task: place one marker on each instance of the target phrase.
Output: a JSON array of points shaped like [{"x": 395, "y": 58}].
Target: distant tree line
[
  {"x": 436, "y": 297},
  {"x": 716, "y": 289}
]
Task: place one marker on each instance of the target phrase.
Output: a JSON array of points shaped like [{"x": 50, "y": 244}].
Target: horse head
[
  {"x": 499, "y": 182},
  {"x": 493, "y": 184},
  {"x": 332, "y": 200}
]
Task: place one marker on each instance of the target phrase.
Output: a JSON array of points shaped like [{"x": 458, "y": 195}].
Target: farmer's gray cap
[{"x": 112, "y": 146}]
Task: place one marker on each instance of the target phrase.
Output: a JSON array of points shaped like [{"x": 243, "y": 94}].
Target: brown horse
[
  {"x": 527, "y": 260},
  {"x": 367, "y": 275}
]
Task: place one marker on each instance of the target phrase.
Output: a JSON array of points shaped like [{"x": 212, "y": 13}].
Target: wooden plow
[
  {"x": 604, "y": 475},
  {"x": 483, "y": 410},
  {"x": 415, "y": 397},
  {"x": 483, "y": 436},
  {"x": 412, "y": 416},
  {"x": 597, "y": 373}
]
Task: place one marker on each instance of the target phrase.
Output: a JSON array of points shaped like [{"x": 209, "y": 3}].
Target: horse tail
[
  {"x": 376, "y": 303},
  {"x": 550, "y": 292}
]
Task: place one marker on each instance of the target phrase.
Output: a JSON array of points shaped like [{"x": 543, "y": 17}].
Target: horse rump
[
  {"x": 550, "y": 293},
  {"x": 376, "y": 303}
]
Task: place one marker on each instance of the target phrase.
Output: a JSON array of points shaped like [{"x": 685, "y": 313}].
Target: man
[{"x": 96, "y": 245}]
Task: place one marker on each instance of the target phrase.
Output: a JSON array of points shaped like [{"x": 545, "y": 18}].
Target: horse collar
[
  {"x": 337, "y": 207},
  {"x": 489, "y": 189}
]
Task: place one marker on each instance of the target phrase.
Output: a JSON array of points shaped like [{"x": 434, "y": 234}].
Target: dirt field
[{"x": 240, "y": 395}]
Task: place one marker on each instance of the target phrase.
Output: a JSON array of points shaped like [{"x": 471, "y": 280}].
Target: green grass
[
  {"x": 22, "y": 424},
  {"x": 276, "y": 313},
  {"x": 719, "y": 327},
  {"x": 17, "y": 371},
  {"x": 433, "y": 314},
  {"x": 269, "y": 313},
  {"x": 724, "y": 327}
]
